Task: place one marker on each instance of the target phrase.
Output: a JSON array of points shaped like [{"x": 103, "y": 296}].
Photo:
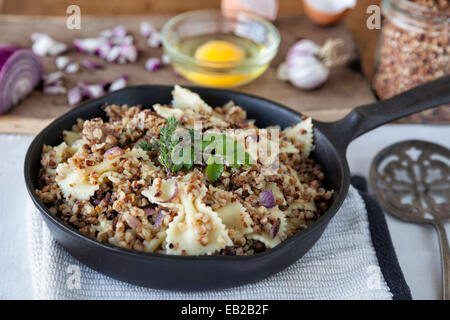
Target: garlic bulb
[{"x": 307, "y": 65}]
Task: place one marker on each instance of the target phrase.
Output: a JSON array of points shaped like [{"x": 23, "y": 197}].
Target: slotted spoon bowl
[{"x": 411, "y": 180}]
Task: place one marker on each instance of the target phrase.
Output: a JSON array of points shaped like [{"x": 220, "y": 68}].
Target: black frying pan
[{"x": 209, "y": 272}]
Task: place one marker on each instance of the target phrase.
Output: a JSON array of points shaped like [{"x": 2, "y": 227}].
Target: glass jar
[{"x": 414, "y": 48}]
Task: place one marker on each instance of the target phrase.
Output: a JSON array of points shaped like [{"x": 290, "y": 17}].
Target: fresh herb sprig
[
  {"x": 215, "y": 164},
  {"x": 149, "y": 146},
  {"x": 165, "y": 145}
]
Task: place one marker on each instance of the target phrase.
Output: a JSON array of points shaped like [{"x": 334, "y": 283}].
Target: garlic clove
[{"x": 308, "y": 73}]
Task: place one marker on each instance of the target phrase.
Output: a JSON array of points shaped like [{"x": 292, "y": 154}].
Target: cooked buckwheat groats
[{"x": 185, "y": 179}]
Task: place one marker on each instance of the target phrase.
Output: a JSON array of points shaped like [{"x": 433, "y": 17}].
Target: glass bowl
[{"x": 210, "y": 24}]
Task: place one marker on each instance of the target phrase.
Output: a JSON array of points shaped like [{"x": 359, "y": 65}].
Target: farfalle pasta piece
[
  {"x": 302, "y": 205},
  {"x": 155, "y": 243},
  {"x": 197, "y": 231},
  {"x": 75, "y": 183},
  {"x": 276, "y": 234},
  {"x": 302, "y": 132},
  {"x": 234, "y": 216},
  {"x": 70, "y": 137},
  {"x": 186, "y": 99},
  {"x": 164, "y": 192},
  {"x": 167, "y": 112}
]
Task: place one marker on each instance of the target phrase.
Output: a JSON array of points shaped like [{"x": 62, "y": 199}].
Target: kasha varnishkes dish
[{"x": 186, "y": 179}]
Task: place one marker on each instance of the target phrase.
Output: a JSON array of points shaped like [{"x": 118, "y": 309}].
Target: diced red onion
[
  {"x": 153, "y": 64},
  {"x": 54, "y": 89},
  {"x": 113, "y": 45},
  {"x": 95, "y": 90},
  {"x": 74, "y": 96},
  {"x": 128, "y": 52},
  {"x": 35, "y": 36},
  {"x": 85, "y": 90},
  {"x": 53, "y": 78},
  {"x": 147, "y": 29},
  {"x": 45, "y": 45},
  {"x": 266, "y": 199},
  {"x": 119, "y": 83},
  {"x": 124, "y": 40},
  {"x": 174, "y": 194},
  {"x": 165, "y": 59},
  {"x": 108, "y": 33},
  {"x": 154, "y": 41},
  {"x": 275, "y": 228},
  {"x": 133, "y": 221},
  {"x": 119, "y": 31},
  {"x": 149, "y": 211},
  {"x": 20, "y": 72},
  {"x": 91, "y": 65},
  {"x": 113, "y": 149},
  {"x": 89, "y": 45},
  {"x": 113, "y": 54},
  {"x": 62, "y": 62},
  {"x": 159, "y": 218},
  {"x": 72, "y": 67},
  {"x": 103, "y": 49}
]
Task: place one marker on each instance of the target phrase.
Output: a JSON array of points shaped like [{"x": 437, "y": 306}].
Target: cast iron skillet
[{"x": 210, "y": 272}]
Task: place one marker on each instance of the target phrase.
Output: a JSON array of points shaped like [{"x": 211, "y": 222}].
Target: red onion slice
[
  {"x": 174, "y": 194},
  {"x": 20, "y": 72},
  {"x": 266, "y": 199}
]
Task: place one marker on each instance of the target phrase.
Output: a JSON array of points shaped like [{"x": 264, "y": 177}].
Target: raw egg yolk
[{"x": 219, "y": 51}]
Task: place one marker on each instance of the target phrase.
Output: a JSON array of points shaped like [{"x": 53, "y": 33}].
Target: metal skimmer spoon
[{"x": 411, "y": 180}]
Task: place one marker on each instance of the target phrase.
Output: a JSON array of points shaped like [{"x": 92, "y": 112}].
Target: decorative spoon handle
[{"x": 445, "y": 259}]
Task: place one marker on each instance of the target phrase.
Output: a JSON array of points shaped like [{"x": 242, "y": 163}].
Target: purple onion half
[{"x": 20, "y": 72}]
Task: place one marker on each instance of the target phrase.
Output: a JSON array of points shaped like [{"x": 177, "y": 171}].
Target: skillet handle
[{"x": 371, "y": 116}]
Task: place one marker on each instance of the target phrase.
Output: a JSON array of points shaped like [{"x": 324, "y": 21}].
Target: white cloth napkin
[{"x": 342, "y": 265}]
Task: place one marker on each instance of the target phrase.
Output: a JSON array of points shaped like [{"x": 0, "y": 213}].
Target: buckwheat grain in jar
[{"x": 414, "y": 48}]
